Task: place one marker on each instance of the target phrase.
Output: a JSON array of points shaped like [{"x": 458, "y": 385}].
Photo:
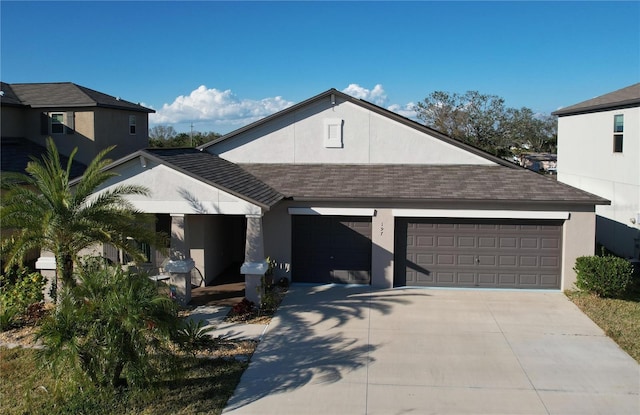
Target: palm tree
[
  {"x": 113, "y": 326},
  {"x": 45, "y": 210}
]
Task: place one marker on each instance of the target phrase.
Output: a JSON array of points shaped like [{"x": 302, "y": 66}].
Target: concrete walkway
[{"x": 353, "y": 350}]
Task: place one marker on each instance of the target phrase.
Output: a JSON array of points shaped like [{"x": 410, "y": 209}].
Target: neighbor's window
[
  {"x": 132, "y": 124},
  {"x": 618, "y": 129},
  {"x": 57, "y": 123}
]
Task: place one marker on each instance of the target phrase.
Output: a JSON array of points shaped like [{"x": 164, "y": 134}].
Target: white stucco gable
[
  {"x": 174, "y": 192},
  {"x": 336, "y": 129}
]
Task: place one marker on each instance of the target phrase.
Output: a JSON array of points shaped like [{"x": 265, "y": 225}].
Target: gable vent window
[
  {"x": 132, "y": 124},
  {"x": 333, "y": 133},
  {"x": 618, "y": 129}
]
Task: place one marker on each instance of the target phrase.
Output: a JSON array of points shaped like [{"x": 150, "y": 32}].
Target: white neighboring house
[{"x": 599, "y": 151}]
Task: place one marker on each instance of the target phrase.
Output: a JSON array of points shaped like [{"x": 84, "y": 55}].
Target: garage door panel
[
  {"x": 486, "y": 260},
  {"x": 549, "y": 243},
  {"x": 466, "y": 278},
  {"x": 423, "y": 259},
  {"x": 445, "y": 278},
  {"x": 487, "y": 278},
  {"x": 424, "y": 241},
  {"x": 487, "y": 242},
  {"x": 445, "y": 260},
  {"x": 529, "y": 243},
  {"x": 331, "y": 249},
  {"x": 528, "y": 279},
  {"x": 466, "y": 242},
  {"x": 549, "y": 262},
  {"x": 508, "y": 260},
  {"x": 479, "y": 253},
  {"x": 506, "y": 243},
  {"x": 507, "y": 279},
  {"x": 467, "y": 260}
]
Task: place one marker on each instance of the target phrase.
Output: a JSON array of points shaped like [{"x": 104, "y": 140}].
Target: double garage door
[
  {"x": 485, "y": 253},
  {"x": 478, "y": 253},
  {"x": 330, "y": 249}
]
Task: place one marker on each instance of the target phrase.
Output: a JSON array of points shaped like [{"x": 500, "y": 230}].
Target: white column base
[
  {"x": 180, "y": 285},
  {"x": 253, "y": 273}
]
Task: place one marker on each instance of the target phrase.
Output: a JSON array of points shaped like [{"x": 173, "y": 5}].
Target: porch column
[
  {"x": 179, "y": 242},
  {"x": 180, "y": 263},
  {"x": 255, "y": 265}
]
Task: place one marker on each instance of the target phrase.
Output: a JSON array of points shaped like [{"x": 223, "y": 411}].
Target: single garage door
[
  {"x": 478, "y": 253},
  {"x": 329, "y": 249}
]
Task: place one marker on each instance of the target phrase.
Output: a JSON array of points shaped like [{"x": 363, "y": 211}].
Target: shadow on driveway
[{"x": 306, "y": 342}]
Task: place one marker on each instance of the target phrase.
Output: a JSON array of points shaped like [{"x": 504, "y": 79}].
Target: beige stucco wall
[
  {"x": 94, "y": 129},
  {"x": 367, "y": 137},
  {"x": 382, "y": 248},
  {"x": 112, "y": 128},
  {"x": 276, "y": 225},
  {"x": 578, "y": 236}
]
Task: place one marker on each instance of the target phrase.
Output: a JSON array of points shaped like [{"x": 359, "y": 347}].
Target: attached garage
[
  {"x": 331, "y": 249},
  {"x": 488, "y": 253}
]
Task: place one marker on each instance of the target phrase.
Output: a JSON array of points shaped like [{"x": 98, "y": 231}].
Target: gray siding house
[{"x": 339, "y": 190}]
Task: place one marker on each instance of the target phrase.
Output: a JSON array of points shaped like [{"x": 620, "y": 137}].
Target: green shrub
[
  {"x": 605, "y": 276},
  {"x": 194, "y": 335},
  {"x": 111, "y": 327},
  {"x": 19, "y": 289}
]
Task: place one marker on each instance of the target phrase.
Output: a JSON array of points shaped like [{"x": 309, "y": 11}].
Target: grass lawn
[
  {"x": 619, "y": 318},
  {"x": 204, "y": 387}
]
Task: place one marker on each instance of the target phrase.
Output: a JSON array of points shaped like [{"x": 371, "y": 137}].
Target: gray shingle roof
[
  {"x": 218, "y": 172},
  {"x": 8, "y": 97},
  {"x": 70, "y": 95},
  {"x": 416, "y": 183},
  {"x": 16, "y": 153},
  {"x": 622, "y": 98}
]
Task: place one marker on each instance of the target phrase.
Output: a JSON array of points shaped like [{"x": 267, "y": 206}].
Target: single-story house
[{"x": 337, "y": 189}]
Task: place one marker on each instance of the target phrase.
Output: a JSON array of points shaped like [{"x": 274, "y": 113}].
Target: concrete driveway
[{"x": 354, "y": 350}]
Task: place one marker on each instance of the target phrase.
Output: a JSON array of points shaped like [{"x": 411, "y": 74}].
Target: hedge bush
[{"x": 605, "y": 276}]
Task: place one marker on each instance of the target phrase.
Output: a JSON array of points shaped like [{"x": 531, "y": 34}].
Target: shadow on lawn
[{"x": 309, "y": 343}]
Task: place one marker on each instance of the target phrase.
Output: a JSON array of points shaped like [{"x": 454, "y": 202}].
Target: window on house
[
  {"x": 618, "y": 129},
  {"x": 57, "y": 123},
  {"x": 132, "y": 124}
]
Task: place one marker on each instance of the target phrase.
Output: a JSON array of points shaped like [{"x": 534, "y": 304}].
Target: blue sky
[{"x": 221, "y": 65}]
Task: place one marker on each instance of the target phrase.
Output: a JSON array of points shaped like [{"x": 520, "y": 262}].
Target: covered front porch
[{"x": 212, "y": 210}]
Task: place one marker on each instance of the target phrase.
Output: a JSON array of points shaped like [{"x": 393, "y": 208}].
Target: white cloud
[
  {"x": 223, "y": 111},
  {"x": 375, "y": 95},
  {"x": 217, "y": 107},
  {"x": 378, "y": 96},
  {"x": 405, "y": 110}
]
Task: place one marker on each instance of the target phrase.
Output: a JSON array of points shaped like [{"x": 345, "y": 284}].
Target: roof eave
[
  {"x": 598, "y": 201},
  {"x": 630, "y": 103}
]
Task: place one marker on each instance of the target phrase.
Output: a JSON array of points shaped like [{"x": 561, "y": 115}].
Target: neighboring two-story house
[
  {"x": 599, "y": 151},
  {"x": 74, "y": 116}
]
